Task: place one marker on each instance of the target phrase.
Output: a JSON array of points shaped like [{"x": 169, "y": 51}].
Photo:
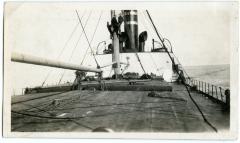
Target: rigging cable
[
  {"x": 65, "y": 45},
  {"x": 139, "y": 59},
  {"x": 144, "y": 21},
  {"x": 87, "y": 40},
  {"x": 203, "y": 116},
  {"x": 152, "y": 27},
  {"x": 75, "y": 46},
  {"x": 157, "y": 68},
  {"x": 92, "y": 37},
  {"x": 98, "y": 115},
  {"x": 165, "y": 39},
  {"x": 151, "y": 33}
]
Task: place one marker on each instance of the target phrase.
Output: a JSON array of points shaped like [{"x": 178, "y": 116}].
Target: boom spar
[{"x": 22, "y": 58}]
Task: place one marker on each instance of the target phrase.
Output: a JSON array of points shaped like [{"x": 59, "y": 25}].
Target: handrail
[{"x": 212, "y": 91}]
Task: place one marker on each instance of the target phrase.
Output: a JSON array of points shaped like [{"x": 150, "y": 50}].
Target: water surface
[{"x": 214, "y": 74}]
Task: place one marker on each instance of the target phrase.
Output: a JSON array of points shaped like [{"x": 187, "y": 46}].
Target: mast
[
  {"x": 115, "y": 41},
  {"x": 115, "y": 57}
]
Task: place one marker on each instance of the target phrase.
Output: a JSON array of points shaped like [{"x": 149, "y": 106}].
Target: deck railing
[{"x": 217, "y": 93}]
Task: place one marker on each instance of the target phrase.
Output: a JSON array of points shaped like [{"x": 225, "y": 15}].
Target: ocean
[{"x": 214, "y": 74}]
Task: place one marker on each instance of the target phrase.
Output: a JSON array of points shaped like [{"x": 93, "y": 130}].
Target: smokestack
[
  {"x": 142, "y": 38},
  {"x": 131, "y": 29}
]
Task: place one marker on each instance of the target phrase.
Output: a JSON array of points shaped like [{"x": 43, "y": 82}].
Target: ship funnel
[
  {"x": 142, "y": 38},
  {"x": 131, "y": 29}
]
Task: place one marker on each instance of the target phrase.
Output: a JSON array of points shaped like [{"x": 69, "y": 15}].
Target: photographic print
[{"x": 129, "y": 70}]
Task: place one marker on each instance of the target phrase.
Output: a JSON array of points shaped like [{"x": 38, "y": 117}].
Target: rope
[
  {"x": 65, "y": 45},
  {"x": 176, "y": 57},
  {"x": 203, "y": 116},
  {"x": 38, "y": 97},
  {"x": 138, "y": 58},
  {"x": 140, "y": 63},
  {"x": 75, "y": 46},
  {"x": 87, "y": 39},
  {"x": 92, "y": 37},
  {"x": 181, "y": 65},
  {"x": 144, "y": 24},
  {"x": 144, "y": 21},
  {"x": 154, "y": 63},
  {"x": 153, "y": 29}
]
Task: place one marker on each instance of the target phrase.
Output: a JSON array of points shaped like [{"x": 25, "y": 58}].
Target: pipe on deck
[{"x": 22, "y": 58}]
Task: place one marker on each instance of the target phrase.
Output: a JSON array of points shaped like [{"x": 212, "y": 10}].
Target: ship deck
[{"x": 120, "y": 111}]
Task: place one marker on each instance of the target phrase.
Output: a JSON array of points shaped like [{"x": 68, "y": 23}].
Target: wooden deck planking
[{"x": 121, "y": 111}]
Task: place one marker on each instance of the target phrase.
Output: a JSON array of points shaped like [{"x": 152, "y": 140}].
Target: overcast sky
[{"x": 201, "y": 33}]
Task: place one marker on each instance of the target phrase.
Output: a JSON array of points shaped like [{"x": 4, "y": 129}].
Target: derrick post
[{"x": 114, "y": 29}]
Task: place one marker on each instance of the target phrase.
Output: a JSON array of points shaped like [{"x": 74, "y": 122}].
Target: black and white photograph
[{"x": 121, "y": 69}]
